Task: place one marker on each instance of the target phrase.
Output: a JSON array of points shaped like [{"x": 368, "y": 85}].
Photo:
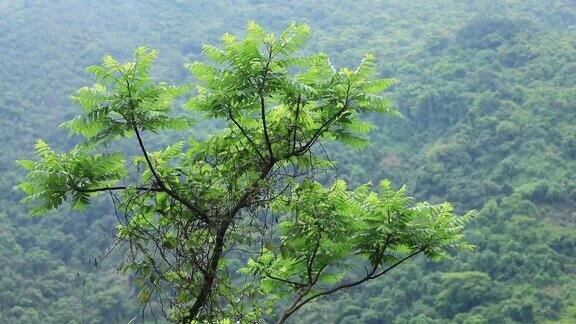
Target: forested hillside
[{"x": 487, "y": 93}]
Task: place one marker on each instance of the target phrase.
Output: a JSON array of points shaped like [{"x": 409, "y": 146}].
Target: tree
[{"x": 232, "y": 226}]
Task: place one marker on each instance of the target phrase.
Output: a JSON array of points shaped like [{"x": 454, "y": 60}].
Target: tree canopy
[{"x": 249, "y": 220}]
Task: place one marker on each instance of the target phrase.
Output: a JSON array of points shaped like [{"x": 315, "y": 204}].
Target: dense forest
[{"x": 485, "y": 89}]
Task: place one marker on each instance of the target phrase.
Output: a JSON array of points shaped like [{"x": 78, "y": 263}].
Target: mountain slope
[{"x": 487, "y": 90}]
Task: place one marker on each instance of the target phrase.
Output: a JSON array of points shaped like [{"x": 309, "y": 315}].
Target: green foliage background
[{"x": 487, "y": 91}]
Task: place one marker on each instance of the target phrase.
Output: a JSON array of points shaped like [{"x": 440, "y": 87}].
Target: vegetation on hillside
[{"x": 486, "y": 90}]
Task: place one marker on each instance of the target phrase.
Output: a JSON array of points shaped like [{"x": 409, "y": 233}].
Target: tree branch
[
  {"x": 295, "y": 129},
  {"x": 115, "y": 188},
  {"x": 163, "y": 186},
  {"x": 293, "y": 308},
  {"x": 290, "y": 282},
  {"x": 228, "y": 218},
  {"x": 159, "y": 181},
  {"x": 263, "y": 105},
  {"x": 246, "y": 135},
  {"x": 396, "y": 264},
  {"x": 324, "y": 126}
]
